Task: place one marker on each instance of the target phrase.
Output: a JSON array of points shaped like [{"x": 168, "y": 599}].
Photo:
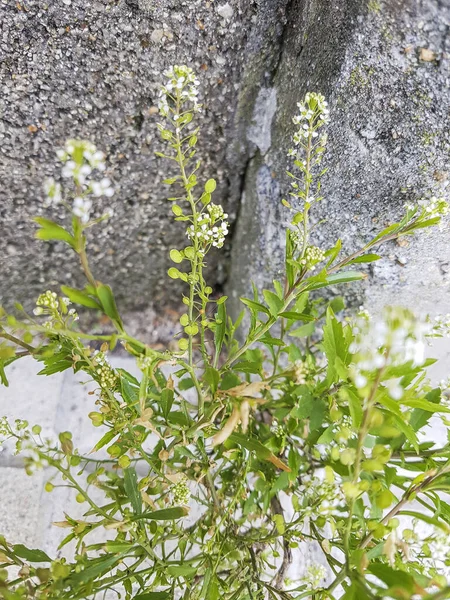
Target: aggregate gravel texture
[
  {"x": 91, "y": 69},
  {"x": 385, "y": 68}
]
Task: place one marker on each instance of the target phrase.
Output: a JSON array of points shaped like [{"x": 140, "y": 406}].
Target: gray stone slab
[
  {"x": 20, "y": 502},
  {"x": 388, "y": 143},
  {"x": 29, "y": 396}
]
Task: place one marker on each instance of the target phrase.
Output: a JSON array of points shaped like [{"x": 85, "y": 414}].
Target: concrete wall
[
  {"x": 91, "y": 68},
  {"x": 385, "y": 69}
]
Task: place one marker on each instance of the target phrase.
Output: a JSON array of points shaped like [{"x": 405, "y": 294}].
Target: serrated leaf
[
  {"x": 335, "y": 346},
  {"x": 273, "y": 301},
  {"x": 52, "y": 231},
  {"x": 255, "y": 307},
  {"x": 32, "y": 555}
]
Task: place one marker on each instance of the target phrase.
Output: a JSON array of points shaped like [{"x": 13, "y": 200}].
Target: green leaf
[
  {"x": 210, "y": 186},
  {"x": 278, "y": 519},
  {"x": 52, "y": 231},
  {"x": 165, "y": 514},
  {"x": 167, "y": 398},
  {"x": 32, "y": 555},
  {"x": 220, "y": 328},
  {"x": 212, "y": 378},
  {"x": 425, "y": 405},
  {"x": 355, "y": 592},
  {"x": 305, "y": 405},
  {"x": 333, "y": 253},
  {"x": 185, "y": 384},
  {"x": 427, "y": 223},
  {"x": 153, "y": 596},
  {"x": 96, "y": 567},
  {"x": 296, "y": 316},
  {"x": 79, "y": 297},
  {"x": 388, "y": 231},
  {"x": 255, "y": 307},
  {"x": 366, "y": 258},
  {"x": 303, "y": 331},
  {"x": 393, "y": 578},
  {"x": 182, "y": 571},
  {"x": 273, "y": 301},
  {"x": 108, "y": 302},
  {"x": 335, "y": 345},
  {"x": 4, "y": 362},
  {"x": 345, "y": 277},
  {"x": 427, "y": 519},
  {"x": 108, "y": 437},
  {"x": 271, "y": 341},
  {"x": 132, "y": 490},
  {"x": 354, "y": 405}
]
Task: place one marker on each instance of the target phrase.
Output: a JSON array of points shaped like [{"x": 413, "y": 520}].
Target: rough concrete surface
[
  {"x": 92, "y": 69},
  {"x": 389, "y": 142}
]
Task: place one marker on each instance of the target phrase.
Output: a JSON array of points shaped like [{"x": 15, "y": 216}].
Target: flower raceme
[{"x": 80, "y": 160}]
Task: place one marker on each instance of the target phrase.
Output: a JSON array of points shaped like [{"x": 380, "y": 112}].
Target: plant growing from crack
[{"x": 316, "y": 435}]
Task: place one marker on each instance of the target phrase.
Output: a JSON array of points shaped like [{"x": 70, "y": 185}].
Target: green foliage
[{"x": 304, "y": 427}]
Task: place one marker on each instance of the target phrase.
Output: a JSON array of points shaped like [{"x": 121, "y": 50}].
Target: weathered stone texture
[
  {"x": 82, "y": 68},
  {"x": 389, "y": 141},
  {"x": 92, "y": 69}
]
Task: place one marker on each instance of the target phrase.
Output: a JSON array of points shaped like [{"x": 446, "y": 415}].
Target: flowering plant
[{"x": 307, "y": 429}]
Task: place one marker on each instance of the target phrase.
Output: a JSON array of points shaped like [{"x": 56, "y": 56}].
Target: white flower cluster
[
  {"x": 394, "y": 339},
  {"x": 313, "y": 256},
  {"x": 314, "y": 113},
  {"x": 277, "y": 429},
  {"x": 82, "y": 208},
  {"x": 320, "y": 497},
  {"x": 144, "y": 362},
  {"x": 428, "y": 543},
  {"x": 81, "y": 158},
  {"x": 314, "y": 576},
  {"x": 181, "y": 494},
  {"x": 53, "y": 192},
  {"x": 182, "y": 85},
  {"x": 433, "y": 207},
  {"x": 441, "y": 325},
  {"x": 209, "y": 230}
]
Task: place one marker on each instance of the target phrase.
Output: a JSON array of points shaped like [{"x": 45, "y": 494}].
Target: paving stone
[
  {"x": 29, "y": 396},
  {"x": 20, "y": 502}
]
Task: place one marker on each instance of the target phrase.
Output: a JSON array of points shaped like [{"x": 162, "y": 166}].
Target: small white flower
[
  {"x": 81, "y": 208},
  {"x": 52, "y": 191},
  {"x": 102, "y": 188}
]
